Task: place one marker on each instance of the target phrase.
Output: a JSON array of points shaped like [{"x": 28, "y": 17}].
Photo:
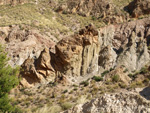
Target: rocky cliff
[{"x": 92, "y": 51}]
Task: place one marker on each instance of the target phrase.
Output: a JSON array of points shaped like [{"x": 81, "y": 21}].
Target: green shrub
[
  {"x": 126, "y": 70},
  {"x": 94, "y": 18},
  {"x": 111, "y": 69},
  {"x": 104, "y": 73},
  {"x": 75, "y": 89},
  {"x": 115, "y": 78},
  {"x": 122, "y": 85},
  {"x": 65, "y": 91},
  {"x": 8, "y": 80},
  {"x": 66, "y": 105},
  {"x": 143, "y": 70},
  {"x": 97, "y": 78},
  {"x": 85, "y": 83},
  {"x": 146, "y": 81}
]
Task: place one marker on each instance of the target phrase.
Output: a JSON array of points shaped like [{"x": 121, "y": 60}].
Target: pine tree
[{"x": 8, "y": 80}]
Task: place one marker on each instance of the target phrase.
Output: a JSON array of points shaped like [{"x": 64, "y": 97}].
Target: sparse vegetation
[
  {"x": 85, "y": 83},
  {"x": 143, "y": 70},
  {"x": 104, "y": 73},
  {"x": 59, "y": 96},
  {"x": 97, "y": 78},
  {"x": 115, "y": 78},
  {"x": 65, "y": 91},
  {"x": 8, "y": 80},
  {"x": 66, "y": 105}
]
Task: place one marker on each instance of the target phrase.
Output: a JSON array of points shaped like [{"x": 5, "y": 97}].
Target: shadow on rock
[{"x": 145, "y": 93}]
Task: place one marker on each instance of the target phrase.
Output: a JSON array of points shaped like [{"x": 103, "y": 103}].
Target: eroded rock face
[
  {"x": 92, "y": 51},
  {"x": 116, "y": 45},
  {"x": 38, "y": 71},
  {"x": 23, "y": 43},
  {"x": 114, "y": 103},
  {"x": 77, "y": 55},
  {"x": 130, "y": 42},
  {"x": 139, "y": 7}
]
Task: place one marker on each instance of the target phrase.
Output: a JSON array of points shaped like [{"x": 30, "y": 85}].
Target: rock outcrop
[
  {"x": 37, "y": 71},
  {"x": 123, "y": 44},
  {"x": 78, "y": 54},
  {"x": 130, "y": 43},
  {"x": 104, "y": 9},
  {"x": 139, "y": 7},
  {"x": 23, "y": 43},
  {"x": 92, "y": 51},
  {"x": 114, "y": 103}
]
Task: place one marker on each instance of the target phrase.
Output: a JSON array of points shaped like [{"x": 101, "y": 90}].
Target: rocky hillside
[
  {"x": 114, "y": 103},
  {"x": 69, "y": 48},
  {"x": 111, "y": 47}
]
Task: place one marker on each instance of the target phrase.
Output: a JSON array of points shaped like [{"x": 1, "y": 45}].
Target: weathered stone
[{"x": 127, "y": 102}]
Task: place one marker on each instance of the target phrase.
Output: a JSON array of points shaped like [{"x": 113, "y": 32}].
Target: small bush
[
  {"x": 126, "y": 70},
  {"x": 115, "y": 78},
  {"x": 143, "y": 70},
  {"x": 111, "y": 69},
  {"x": 146, "y": 81},
  {"x": 74, "y": 85},
  {"x": 133, "y": 85},
  {"x": 104, "y": 73},
  {"x": 66, "y": 105},
  {"x": 75, "y": 89},
  {"x": 122, "y": 85},
  {"x": 65, "y": 91},
  {"x": 85, "y": 83},
  {"x": 139, "y": 83},
  {"x": 94, "y": 18},
  {"x": 97, "y": 78}
]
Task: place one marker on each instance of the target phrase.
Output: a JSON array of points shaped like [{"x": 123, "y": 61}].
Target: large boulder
[{"x": 38, "y": 71}]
